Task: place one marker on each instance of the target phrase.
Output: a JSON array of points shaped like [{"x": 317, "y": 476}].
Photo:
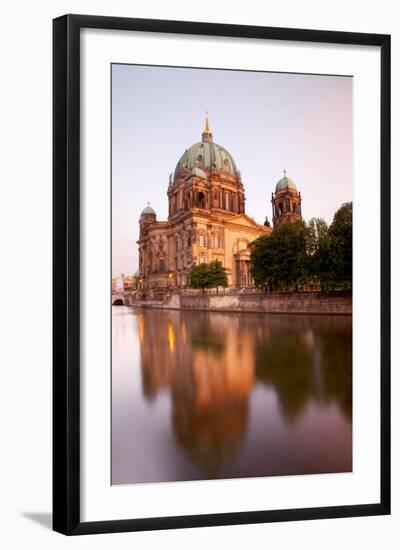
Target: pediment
[{"x": 245, "y": 221}]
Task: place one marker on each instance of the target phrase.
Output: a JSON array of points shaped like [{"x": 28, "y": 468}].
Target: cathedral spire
[{"x": 207, "y": 134}]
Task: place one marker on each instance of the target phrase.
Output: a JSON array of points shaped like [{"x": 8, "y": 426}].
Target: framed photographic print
[{"x": 221, "y": 274}]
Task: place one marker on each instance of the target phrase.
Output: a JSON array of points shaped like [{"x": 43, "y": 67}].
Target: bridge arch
[{"x": 117, "y": 301}]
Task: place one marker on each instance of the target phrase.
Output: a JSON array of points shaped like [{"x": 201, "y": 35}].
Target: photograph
[{"x": 231, "y": 283}]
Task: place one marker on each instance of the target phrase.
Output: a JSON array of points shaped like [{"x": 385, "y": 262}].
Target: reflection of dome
[
  {"x": 206, "y": 155},
  {"x": 148, "y": 210},
  {"x": 285, "y": 183}
]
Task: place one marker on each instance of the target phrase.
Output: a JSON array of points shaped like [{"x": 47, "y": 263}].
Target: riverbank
[{"x": 335, "y": 303}]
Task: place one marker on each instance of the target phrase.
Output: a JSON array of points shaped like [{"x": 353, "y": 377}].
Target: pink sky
[{"x": 267, "y": 121}]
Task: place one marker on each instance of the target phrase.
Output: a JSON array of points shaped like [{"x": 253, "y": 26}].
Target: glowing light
[
  {"x": 171, "y": 337},
  {"x": 141, "y": 328}
]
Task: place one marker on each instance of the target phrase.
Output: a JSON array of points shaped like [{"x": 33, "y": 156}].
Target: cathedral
[{"x": 206, "y": 220}]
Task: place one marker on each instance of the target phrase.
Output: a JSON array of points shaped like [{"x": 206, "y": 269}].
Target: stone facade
[
  {"x": 308, "y": 302},
  {"x": 206, "y": 221},
  {"x": 286, "y": 202}
]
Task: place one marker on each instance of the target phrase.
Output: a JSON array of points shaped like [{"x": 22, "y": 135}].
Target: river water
[{"x": 204, "y": 395}]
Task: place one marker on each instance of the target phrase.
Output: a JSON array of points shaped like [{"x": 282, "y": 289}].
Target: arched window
[{"x": 201, "y": 201}]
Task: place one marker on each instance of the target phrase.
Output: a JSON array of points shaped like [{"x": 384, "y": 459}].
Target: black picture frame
[{"x": 66, "y": 273}]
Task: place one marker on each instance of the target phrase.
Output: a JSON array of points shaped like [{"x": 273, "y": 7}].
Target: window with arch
[{"x": 201, "y": 201}]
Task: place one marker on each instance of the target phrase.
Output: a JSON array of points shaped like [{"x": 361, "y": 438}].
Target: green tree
[
  {"x": 199, "y": 276},
  {"x": 217, "y": 274},
  {"x": 280, "y": 260},
  {"x": 319, "y": 265},
  {"x": 261, "y": 258},
  {"x": 295, "y": 253},
  {"x": 210, "y": 275},
  {"x": 341, "y": 246},
  {"x": 317, "y": 235}
]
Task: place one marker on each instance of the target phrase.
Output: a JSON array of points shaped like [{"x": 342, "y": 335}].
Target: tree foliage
[
  {"x": 217, "y": 274},
  {"x": 296, "y": 254},
  {"x": 280, "y": 260},
  {"x": 210, "y": 275},
  {"x": 317, "y": 235},
  {"x": 341, "y": 244}
]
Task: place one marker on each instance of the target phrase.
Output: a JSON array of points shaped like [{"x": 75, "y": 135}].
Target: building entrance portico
[{"x": 243, "y": 276}]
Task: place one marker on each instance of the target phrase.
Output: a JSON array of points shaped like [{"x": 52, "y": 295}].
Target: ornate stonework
[
  {"x": 286, "y": 203},
  {"x": 206, "y": 221}
]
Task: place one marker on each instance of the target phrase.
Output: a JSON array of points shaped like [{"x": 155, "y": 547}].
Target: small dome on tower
[
  {"x": 285, "y": 183},
  {"x": 148, "y": 210}
]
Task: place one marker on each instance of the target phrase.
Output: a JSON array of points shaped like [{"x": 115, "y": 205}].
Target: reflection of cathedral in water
[{"x": 210, "y": 363}]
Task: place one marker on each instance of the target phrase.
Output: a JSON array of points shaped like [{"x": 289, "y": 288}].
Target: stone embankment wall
[{"x": 307, "y": 302}]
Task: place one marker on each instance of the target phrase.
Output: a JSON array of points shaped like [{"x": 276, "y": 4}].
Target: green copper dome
[
  {"x": 206, "y": 155},
  {"x": 148, "y": 210},
  {"x": 285, "y": 183}
]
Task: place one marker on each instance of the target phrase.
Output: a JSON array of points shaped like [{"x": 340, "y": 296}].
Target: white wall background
[{"x": 25, "y": 218}]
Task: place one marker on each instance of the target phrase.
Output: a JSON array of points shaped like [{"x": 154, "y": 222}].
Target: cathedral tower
[{"x": 286, "y": 202}]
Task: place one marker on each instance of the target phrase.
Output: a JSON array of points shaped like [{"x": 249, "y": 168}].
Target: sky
[{"x": 269, "y": 122}]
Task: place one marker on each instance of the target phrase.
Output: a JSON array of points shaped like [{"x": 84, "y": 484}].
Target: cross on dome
[{"x": 207, "y": 134}]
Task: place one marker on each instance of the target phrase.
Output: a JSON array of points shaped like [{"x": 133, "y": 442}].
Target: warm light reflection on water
[{"x": 200, "y": 395}]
